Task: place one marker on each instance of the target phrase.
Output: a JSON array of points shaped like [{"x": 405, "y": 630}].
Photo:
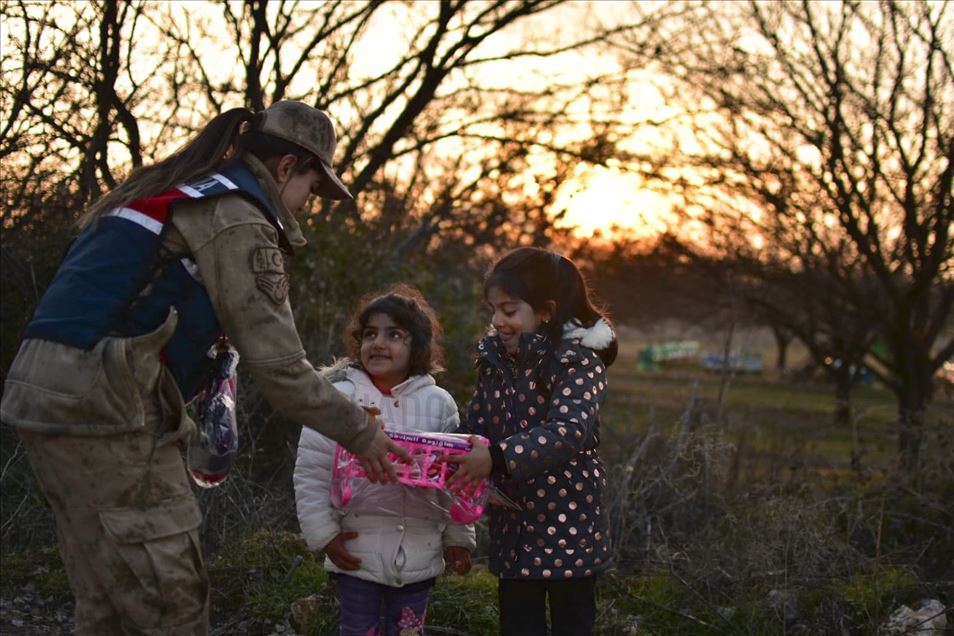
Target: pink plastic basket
[{"x": 423, "y": 471}]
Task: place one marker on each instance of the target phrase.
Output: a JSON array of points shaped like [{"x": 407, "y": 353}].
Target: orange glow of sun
[{"x": 608, "y": 203}]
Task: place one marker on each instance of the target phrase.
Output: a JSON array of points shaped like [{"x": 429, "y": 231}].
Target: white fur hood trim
[
  {"x": 598, "y": 337},
  {"x": 361, "y": 380}
]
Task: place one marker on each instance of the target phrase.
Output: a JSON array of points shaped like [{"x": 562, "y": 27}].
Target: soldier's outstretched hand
[{"x": 374, "y": 459}]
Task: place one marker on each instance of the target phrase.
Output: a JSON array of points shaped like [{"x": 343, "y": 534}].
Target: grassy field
[{"x": 770, "y": 418}]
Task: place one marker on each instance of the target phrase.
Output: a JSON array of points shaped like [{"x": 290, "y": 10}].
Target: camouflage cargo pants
[{"x": 127, "y": 524}]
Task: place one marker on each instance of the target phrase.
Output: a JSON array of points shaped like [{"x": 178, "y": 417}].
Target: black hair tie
[{"x": 251, "y": 123}]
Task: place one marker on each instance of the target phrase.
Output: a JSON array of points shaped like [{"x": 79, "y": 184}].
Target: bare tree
[
  {"x": 138, "y": 77},
  {"x": 71, "y": 82},
  {"x": 457, "y": 126},
  {"x": 825, "y": 143},
  {"x": 435, "y": 140},
  {"x": 433, "y": 107},
  {"x": 808, "y": 304}
]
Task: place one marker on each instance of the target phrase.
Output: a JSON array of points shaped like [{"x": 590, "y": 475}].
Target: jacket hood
[
  {"x": 346, "y": 369},
  {"x": 598, "y": 337}
]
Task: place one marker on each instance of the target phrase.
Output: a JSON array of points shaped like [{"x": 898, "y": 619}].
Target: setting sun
[{"x": 610, "y": 203}]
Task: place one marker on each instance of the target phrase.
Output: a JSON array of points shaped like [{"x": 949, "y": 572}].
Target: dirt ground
[{"x": 29, "y": 613}]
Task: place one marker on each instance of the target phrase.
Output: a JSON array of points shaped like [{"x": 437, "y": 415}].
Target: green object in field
[
  {"x": 650, "y": 357},
  {"x": 645, "y": 361},
  {"x": 882, "y": 349}
]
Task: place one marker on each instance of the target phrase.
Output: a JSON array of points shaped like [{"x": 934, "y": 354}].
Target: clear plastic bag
[
  {"x": 423, "y": 476},
  {"x": 213, "y": 448}
]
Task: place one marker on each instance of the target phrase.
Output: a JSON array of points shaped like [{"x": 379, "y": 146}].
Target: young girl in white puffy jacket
[{"x": 388, "y": 546}]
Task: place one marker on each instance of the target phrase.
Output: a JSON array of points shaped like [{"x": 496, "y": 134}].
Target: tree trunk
[
  {"x": 912, "y": 405},
  {"x": 914, "y": 390},
  {"x": 844, "y": 383},
  {"x": 782, "y": 339}
]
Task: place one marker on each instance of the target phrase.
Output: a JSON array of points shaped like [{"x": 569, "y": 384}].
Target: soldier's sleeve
[{"x": 244, "y": 272}]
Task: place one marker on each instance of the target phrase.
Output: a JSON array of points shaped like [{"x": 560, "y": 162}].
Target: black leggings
[{"x": 523, "y": 607}]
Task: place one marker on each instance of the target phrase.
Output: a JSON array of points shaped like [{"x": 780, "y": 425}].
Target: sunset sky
[
  {"x": 595, "y": 199},
  {"x": 598, "y": 199}
]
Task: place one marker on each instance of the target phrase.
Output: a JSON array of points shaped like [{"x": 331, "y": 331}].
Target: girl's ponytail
[{"x": 199, "y": 156}]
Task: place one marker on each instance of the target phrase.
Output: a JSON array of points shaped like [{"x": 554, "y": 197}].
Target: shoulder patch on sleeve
[{"x": 268, "y": 265}]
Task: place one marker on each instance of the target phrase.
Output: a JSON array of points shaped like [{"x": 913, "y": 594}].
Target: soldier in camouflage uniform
[{"x": 184, "y": 252}]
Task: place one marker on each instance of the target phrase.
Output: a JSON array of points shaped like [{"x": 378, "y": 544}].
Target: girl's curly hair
[{"x": 406, "y": 306}]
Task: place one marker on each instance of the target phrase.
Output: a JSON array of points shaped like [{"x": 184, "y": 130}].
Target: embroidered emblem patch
[{"x": 268, "y": 265}]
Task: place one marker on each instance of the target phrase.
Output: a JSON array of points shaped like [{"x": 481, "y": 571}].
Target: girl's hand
[
  {"x": 472, "y": 468},
  {"x": 457, "y": 559},
  {"x": 339, "y": 554}
]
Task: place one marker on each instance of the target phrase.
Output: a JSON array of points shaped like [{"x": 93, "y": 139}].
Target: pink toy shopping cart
[{"x": 424, "y": 471}]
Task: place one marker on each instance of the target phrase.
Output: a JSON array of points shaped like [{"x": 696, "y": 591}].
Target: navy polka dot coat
[{"x": 542, "y": 409}]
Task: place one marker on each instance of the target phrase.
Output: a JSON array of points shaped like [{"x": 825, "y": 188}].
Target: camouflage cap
[{"x": 311, "y": 129}]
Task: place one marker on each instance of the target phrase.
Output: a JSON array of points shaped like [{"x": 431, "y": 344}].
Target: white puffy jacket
[{"x": 401, "y": 533}]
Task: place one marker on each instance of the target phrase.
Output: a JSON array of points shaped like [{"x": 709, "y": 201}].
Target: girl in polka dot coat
[{"x": 541, "y": 383}]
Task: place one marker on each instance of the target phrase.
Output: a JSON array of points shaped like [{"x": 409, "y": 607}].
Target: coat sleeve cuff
[{"x": 498, "y": 461}]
